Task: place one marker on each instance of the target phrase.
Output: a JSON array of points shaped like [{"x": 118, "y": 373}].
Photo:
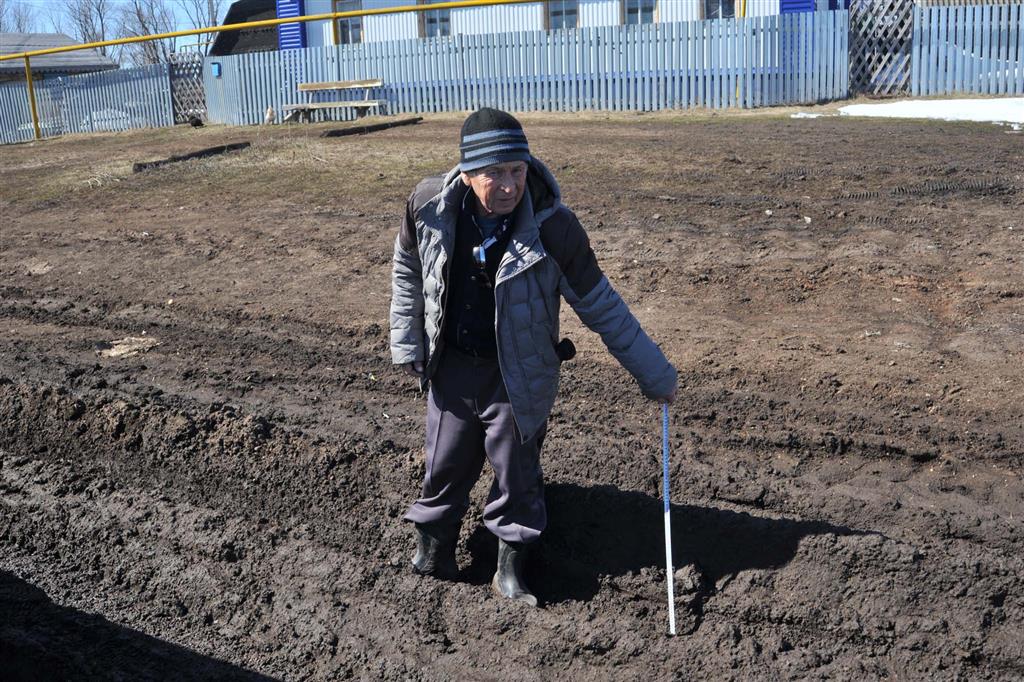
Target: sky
[{"x": 45, "y": 7}]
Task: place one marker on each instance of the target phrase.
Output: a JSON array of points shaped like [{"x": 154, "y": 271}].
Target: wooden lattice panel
[
  {"x": 881, "y": 33},
  {"x": 187, "y": 92}
]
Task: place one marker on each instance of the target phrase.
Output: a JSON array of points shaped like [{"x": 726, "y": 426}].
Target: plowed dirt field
[{"x": 844, "y": 300}]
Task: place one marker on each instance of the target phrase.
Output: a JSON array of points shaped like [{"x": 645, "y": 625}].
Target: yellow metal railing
[
  {"x": 32, "y": 98},
  {"x": 330, "y": 16}
]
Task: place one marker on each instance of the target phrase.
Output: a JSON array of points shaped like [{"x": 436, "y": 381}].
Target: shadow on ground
[
  {"x": 603, "y": 531},
  {"x": 40, "y": 640}
]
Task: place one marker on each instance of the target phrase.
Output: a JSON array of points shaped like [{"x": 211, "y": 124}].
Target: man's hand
[
  {"x": 414, "y": 369},
  {"x": 670, "y": 398}
]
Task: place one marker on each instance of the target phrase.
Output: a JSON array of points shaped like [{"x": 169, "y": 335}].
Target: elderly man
[{"x": 481, "y": 263}]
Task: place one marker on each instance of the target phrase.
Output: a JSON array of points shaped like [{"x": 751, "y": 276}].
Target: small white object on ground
[
  {"x": 130, "y": 345},
  {"x": 995, "y": 110},
  {"x": 804, "y": 114},
  {"x": 36, "y": 266}
]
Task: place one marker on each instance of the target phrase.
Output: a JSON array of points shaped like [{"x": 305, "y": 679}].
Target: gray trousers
[{"x": 469, "y": 418}]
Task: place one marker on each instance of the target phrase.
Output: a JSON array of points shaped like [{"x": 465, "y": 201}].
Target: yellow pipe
[
  {"x": 335, "y": 30},
  {"x": 266, "y": 23},
  {"x": 32, "y": 99}
]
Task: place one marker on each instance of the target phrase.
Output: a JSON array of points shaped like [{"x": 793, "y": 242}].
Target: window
[
  {"x": 638, "y": 11},
  {"x": 348, "y": 31},
  {"x": 435, "y": 23},
  {"x": 719, "y": 9},
  {"x": 563, "y": 14}
]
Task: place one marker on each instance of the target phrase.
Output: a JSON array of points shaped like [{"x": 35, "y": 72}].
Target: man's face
[{"x": 498, "y": 188}]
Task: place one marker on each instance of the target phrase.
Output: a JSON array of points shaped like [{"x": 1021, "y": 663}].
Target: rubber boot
[
  {"x": 508, "y": 581},
  {"x": 435, "y": 550}
]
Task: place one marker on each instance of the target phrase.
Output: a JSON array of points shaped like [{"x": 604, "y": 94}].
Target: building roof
[
  {"x": 79, "y": 61},
  {"x": 249, "y": 39}
]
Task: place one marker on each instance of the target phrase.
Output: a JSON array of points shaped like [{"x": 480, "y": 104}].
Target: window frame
[
  {"x": 720, "y": 3},
  {"x": 547, "y": 14},
  {"x": 336, "y": 23},
  {"x": 624, "y": 12},
  {"x": 422, "y": 23}
]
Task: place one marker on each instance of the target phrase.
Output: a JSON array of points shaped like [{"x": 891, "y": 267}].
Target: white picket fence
[
  {"x": 968, "y": 48},
  {"x": 758, "y": 61}
]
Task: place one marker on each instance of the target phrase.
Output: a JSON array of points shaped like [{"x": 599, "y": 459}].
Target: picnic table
[{"x": 304, "y": 111}]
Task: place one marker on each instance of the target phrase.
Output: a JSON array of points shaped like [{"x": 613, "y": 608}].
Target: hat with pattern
[{"x": 490, "y": 136}]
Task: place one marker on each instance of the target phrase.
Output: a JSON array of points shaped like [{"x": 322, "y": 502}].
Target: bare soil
[{"x": 844, "y": 300}]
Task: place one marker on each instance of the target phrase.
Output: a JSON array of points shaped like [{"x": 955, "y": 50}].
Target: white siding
[
  {"x": 600, "y": 12},
  {"x": 760, "y": 8},
  {"x": 384, "y": 27},
  {"x": 391, "y": 27},
  {"x": 668, "y": 11},
  {"x": 499, "y": 19},
  {"x": 319, "y": 33}
]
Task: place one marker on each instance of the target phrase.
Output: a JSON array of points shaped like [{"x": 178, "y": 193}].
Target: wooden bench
[{"x": 362, "y": 106}]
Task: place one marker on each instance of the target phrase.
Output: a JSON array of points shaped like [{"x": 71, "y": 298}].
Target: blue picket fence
[
  {"x": 109, "y": 100},
  {"x": 968, "y": 48},
  {"x": 757, "y": 61}
]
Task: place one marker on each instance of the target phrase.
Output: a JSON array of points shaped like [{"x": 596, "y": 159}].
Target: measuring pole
[
  {"x": 32, "y": 98},
  {"x": 668, "y": 521}
]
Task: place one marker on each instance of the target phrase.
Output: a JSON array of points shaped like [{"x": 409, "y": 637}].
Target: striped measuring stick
[{"x": 668, "y": 521}]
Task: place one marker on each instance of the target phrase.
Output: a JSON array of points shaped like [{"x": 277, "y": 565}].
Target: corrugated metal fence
[
  {"x": 972, "y": 48},
  {"x": 758, "y": 61},
  {"x": 111, "y": 100}
]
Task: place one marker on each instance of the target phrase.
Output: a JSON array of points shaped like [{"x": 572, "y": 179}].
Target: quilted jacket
[{"x": 548, "y": 258}]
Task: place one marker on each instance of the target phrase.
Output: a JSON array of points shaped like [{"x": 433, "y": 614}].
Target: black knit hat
[{"x": 490, "y": 136}]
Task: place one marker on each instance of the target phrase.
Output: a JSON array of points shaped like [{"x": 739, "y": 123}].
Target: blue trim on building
[
  {"x": 291, "y": 36},
  {"x": 791, "y": 6}
]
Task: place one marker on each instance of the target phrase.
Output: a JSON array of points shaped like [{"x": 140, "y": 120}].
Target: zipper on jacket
[
  {"x": 445, "y": 272},
  {"x": 497, "y": 341}
]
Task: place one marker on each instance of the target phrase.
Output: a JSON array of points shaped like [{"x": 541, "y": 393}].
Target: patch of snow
[
  {"x": 804, "y": 114},
  {"x": 1001, "y": 110}
]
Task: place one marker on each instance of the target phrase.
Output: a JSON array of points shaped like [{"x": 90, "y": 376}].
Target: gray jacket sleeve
[
  {"x": 601, "y": 308},
  {"x": 407, "y": 301}
]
